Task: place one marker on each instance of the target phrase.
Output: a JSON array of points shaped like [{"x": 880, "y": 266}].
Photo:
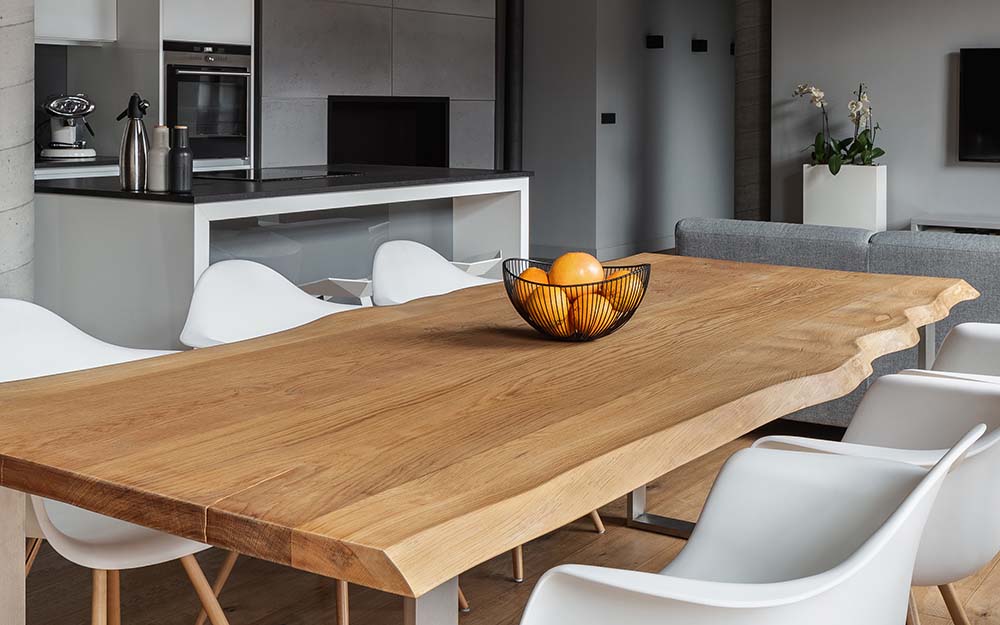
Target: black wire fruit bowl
[{"x": 582, "y": 312}]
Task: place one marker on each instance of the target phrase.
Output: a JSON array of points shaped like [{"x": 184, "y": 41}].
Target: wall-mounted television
[{"x": 979, "y": 113}]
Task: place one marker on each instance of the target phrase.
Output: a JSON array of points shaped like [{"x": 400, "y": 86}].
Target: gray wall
[
  {"x": 624, "y": 225},
  {"x": 316, "y": 48},
  {"x": 618, "y": 189},
  {"x": 907, "y": 50},
  {"x": 560, "y": 117},
  {"x": 691, "y": 116},
  {"x": 17, "y": 152}
]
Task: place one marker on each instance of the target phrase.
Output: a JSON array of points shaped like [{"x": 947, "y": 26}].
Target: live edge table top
[{"x": 397, "y": 447}]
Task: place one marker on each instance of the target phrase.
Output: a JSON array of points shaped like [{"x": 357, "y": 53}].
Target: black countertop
[{"x": 368, "y": 177}]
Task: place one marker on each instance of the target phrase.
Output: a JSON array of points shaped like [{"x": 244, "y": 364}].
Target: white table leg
[
  {"x": 11, "y": 557},
  {"x": 438, "y": 607}
]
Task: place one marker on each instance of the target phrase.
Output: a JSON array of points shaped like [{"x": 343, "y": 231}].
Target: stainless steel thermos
[{"x": 135, "y": 145}]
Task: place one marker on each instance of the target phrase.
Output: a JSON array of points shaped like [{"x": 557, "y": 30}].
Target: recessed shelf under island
[{"x": 122, "y": 266}]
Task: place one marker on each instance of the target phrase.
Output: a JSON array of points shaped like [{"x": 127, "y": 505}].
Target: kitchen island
[{"x": 122, "y": 266}]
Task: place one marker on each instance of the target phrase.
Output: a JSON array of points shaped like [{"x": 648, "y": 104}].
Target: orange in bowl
[
  {"x": 623, "y": 289},
  {"x": 549, "y": 307},
  {"x": 576, "y": 268},
  {"x": 530, "y": 275},
  {"x": 592, "y": 313}
]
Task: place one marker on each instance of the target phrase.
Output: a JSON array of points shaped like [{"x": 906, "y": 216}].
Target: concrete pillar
[{"x": 17, "y": 149}]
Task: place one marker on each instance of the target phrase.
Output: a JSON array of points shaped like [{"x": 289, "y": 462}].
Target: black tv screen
[
  {"x": 979, "y": 115},
  {"x": 378, "y": 130}
]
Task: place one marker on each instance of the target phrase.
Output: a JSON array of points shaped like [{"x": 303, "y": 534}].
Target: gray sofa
[{"x": 974, "y": 257}]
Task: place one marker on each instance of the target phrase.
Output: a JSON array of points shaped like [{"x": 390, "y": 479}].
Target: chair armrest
[
  {"x": 920, "y": 458},
  {"x": 588, "y": 594}
]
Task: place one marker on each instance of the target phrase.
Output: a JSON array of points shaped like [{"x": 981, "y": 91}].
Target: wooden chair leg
[
  {"x": 34, "y": 546},
  {"x": 595, "y": 516},
  {"x": 912, "y": 615},
  {"x": 343, "y": 605},
  {"x": 463, "y": 603},
  {"x": 204, "y": 591},
  {"x": 114, "y": 598},
  {"x": 99, "y": 599},
  {"x": 955, "y": 609},
  {"x": 220, "y": 581},
  {"x": 517, "y": 555}
]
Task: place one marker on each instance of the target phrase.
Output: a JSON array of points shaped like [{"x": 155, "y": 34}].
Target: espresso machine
[{"x": 68, "y": 117}]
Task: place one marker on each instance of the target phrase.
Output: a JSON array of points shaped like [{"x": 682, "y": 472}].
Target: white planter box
[{"x": 854, "y": 198}]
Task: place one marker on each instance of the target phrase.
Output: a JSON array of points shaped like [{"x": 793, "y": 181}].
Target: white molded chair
[
  {"x": 406, "y": 270},
  {"x": 971, "y": 348},
  {"x": 37, "y": 342},
  {"x": 236, "y": 300},
  {"x": 785, "y": 538},
  {"x": 911, "y": 418}
]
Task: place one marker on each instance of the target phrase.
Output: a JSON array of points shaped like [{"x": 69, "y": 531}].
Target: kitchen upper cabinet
[
  {"x": 86, "y": 21},
  {"x": 215, "y": 21}
]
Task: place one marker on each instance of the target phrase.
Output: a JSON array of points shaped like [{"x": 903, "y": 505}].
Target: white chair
[
  {"x": 911, "y": 418},
  {"x": 236, "y": 300},
  {"x": 406, "y": 270},
  {"x": 35, "y": 342},
  {"x": 785, "y": 538},
  {"x": 971, "y": 348}
]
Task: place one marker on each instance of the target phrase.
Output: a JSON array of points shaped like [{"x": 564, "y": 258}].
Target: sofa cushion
[{"x": 821, "y": 247}]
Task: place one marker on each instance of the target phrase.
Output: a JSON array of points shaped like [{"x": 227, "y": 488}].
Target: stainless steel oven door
[{"x": 214, "y": 103}]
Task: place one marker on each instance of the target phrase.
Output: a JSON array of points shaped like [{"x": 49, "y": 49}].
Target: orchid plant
[{"x": 860, "y": 149}]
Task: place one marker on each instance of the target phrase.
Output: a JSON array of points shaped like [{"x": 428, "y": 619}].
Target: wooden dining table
[{"x": 397, "y": 447}]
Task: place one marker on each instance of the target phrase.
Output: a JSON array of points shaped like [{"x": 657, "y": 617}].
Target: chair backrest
[
  {"x": 37, "y": 342},
  {"x": 824, "y": 540},
  {"x": 236, "y": 300},
  {"x": 872, "y": 584},
  {"x": 970, "y": 348},
  {"x": 406, "y": 270},
  {"x": 963, "y": 532}
]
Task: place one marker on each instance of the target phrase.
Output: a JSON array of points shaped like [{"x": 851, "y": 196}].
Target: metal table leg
[
  {"x": 637, "y": 517},
  {"x": 926, "y": 348},
  {"x": 437, "y": 607}
]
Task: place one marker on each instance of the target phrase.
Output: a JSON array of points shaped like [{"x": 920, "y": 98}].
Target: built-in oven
[{"x": 208, "y": 88}]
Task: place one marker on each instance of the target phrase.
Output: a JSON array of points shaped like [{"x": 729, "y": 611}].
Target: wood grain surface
[{"x": 397, "y": 447}]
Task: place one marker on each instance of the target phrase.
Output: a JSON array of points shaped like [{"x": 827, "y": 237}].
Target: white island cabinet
[
  {"x": 122, "y": 266},
  {"x": 80, "y": 22},
  {"x": 218, "y": 21}
]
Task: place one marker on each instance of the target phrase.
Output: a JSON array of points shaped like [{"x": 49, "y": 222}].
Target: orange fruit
[
  {"x": 624, "y": 292},
  {"x": 531, "y": 274},
  {"x": 592, "y": 314},
  {"x": 549, "y": 307},
  {"x": 575, "y": 268}
]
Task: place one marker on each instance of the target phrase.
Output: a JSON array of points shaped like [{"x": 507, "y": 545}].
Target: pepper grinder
[
  {"x": 135, "y": 145},
  {"x": 158, "y": 161},
  {"x": 181, "y": 162}
]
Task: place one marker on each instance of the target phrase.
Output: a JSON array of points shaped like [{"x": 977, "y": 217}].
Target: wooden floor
[{"x": 264, "y": 594}]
